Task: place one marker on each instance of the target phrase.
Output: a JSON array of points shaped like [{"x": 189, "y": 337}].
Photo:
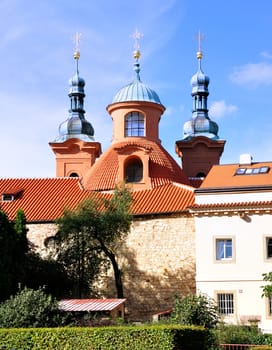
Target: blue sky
[{"x": 36, "y": 49}]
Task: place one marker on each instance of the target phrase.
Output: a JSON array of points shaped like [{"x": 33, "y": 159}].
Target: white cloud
[
  {"x": 219, "y": 109},
  {"x": 266, "y": 54},
  {"x": 253, "y": 74}
]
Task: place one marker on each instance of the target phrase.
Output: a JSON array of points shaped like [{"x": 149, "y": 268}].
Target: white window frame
[{"x": 225, "y": 256}]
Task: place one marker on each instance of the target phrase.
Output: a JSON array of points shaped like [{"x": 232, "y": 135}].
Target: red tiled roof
[
  {"x": 162, "y": 167},
  {"x": 46, "y": 199},
  {"x": 90, "y": 304},
  {"x": 164, "y": 199},
  {"x": 41, "y": 199},
  {"x": 224, "y": 176}
]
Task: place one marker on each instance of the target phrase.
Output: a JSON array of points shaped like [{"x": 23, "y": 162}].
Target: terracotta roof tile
[
  {"x": 46, "y": 199},
  {"x": 164, "y": 199},
  {"x": 163, "y": 168},
  {"x": 42, "y": 199},
  {"x": 223, "y": 176}
]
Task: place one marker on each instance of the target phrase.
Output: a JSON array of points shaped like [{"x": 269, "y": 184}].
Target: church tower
[
  {"x": 75, "y": 147},
  {"x": 136, "y": 155},
  {"x": 200, "y": 147}
]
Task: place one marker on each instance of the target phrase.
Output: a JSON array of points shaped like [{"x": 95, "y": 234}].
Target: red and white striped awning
[{"x": 90, "y": 304}]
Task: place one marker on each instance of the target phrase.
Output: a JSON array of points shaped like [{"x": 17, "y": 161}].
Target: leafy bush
[
  {"x": 237, "y": 334},
  {"x": 31, "y": 308},
  {"x": 108, "y": 338},
  {"x": 197, "y": 310}
]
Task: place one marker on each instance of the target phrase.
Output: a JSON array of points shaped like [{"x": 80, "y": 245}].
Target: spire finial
[
  {"x": 199, "y": 53},
  {"x": 137, "y": 36},
  {"x": 77, "y": 37}
]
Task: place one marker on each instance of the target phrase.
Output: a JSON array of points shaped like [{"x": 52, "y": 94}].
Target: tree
[
  {"x": 21, "y": 231},
  {"x": 199, "y": 310},
  {"x": 31, "y": 308},
  {"x": 88, "y": 237},
  {"x": 7, "y": 257},
  {"x": 267, "y": 289},
  {"x": 46, "y": 273}
]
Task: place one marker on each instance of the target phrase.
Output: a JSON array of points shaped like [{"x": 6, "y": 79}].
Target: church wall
[
  {"x": 157, "y": 260},
  {"x": 37, "y": 233}
]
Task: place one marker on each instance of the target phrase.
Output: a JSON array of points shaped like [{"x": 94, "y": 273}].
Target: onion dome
[
  {"x": 76, "y": 126},
  {"x": 200, "y": 81},
  {"x": 200, "y": 124},
  {"x": 136, "y": 91}
]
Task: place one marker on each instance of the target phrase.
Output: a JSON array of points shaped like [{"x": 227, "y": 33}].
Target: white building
[{"x": 234, "y": 240}]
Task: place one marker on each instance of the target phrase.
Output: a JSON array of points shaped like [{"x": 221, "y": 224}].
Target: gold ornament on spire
[
  {"x": 77, "y": 37},
  {"x": 137, "y": 36},
  {"x": 199, "y": 53}
]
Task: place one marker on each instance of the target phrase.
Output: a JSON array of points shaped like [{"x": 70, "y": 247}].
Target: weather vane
[{"x": 76, "y": 40}]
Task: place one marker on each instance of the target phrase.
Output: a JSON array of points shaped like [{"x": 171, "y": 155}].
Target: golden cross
[
  {"x": 136, "y": 36},
  {"x": 200, "y": 37},
  {"x": 77, "y": 37}
]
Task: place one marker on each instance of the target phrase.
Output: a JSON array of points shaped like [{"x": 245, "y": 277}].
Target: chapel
[{"x": 187, "y": 218}]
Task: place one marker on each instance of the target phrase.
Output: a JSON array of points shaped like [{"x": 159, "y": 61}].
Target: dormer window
[
  {"x": 134, "y": 124},
  {"x": 7, "y": 197},
  {"x": 252, "y": 171},
  {"x": 134, "y": 170},
  {"x": 11, "y": 195}
]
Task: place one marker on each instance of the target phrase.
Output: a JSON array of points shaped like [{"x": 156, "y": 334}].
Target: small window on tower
[
  {"x": 134, "y": 124},
  {"x": 134, "y": 170},
  {"x": 73, "y": 175},
  {"x": 200, "y": 174}
]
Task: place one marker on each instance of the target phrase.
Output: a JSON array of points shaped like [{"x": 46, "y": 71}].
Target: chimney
[{"x": 245, "y": 159}]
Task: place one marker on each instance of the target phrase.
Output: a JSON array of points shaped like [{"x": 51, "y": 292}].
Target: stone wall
[
  {"x": 157, "y": 260},
  {"x": 37, "y": 233}
]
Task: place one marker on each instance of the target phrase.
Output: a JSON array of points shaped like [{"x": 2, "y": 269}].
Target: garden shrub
[
  {"x": 31, "y": 308},
  {"x": 107, "y": 338},
  {"x": 239, "y": 334}
]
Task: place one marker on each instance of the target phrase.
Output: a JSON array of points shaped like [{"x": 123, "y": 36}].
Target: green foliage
[
  {"x": 238, "y": 334},
  {"x": 8, "y": 257},
  {"x": 107, "y": 338},
  {"x": 88, "y": 237},
  {"x": 47, "y": 273},
  {"x": 20, "y": 266},
  {"x": 21, "y": 231},
  {"x": 195, "y": 310},
  {"x": 267, "y": 289},
  {"x": 30, "y": 308}
]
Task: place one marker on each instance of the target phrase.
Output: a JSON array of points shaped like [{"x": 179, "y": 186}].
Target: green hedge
[{"x": 158, "y": 337}]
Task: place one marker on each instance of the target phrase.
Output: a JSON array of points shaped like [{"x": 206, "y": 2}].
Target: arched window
[
  {"x": 201, "y": 174},
  {"x": 134, "y": 124},
  {"x": 134, "y": 170},
  {"x": 73, "y": 175}
]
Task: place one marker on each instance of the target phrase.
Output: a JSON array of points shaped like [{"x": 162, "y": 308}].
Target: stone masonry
[{"x": 157, "y": 260}]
